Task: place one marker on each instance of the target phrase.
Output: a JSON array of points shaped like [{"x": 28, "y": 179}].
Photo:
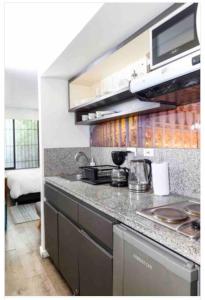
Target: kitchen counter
[{"x": 125, "y": 206}]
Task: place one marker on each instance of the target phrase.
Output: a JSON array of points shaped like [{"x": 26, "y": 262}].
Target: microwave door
[{"x": 175, "y": 37}]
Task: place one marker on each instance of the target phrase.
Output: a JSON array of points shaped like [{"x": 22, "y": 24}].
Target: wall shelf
[
  {"x": 104, "y": 100},
  {"x": 136, "y": 107}
]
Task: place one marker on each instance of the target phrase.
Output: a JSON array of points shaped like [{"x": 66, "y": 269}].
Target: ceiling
[
  {"x": 110, "y": 26},
  {"x": 36, "y": 33}
]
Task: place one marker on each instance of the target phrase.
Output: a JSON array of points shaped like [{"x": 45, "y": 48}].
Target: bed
[{"x": 24, "y": 185}]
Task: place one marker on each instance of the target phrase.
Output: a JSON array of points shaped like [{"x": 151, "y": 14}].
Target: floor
[{"x": 27, "y": 274}]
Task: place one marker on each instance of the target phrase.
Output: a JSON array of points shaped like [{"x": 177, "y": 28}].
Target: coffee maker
[{"x": 119, "y": 176}]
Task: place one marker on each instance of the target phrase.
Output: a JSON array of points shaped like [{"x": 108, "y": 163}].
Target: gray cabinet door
[
  {"x": 51, "y": 232},
  {"x": 97, "y": 225},
  {"x": 95, "y": 268},
  {"x": 68, "y": 252}
]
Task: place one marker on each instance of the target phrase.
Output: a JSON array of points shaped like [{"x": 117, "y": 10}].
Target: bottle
[{"x": 92, "y": 162}]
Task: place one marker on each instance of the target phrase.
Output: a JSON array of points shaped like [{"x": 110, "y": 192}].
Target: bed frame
[
  {"x": 29, "y": 198},
  {"x": 23, "y": 199}
]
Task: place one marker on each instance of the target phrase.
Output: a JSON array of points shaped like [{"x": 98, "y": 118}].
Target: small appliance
[
  {"x": 119, "y": 176},
  {"x": 140, "y": 175},
  {"x": 175, "y": 36},
  {"x": 177, "y": 75},
  {"x": 183, "y": 217},
  {"x": 143, "y": 267}
]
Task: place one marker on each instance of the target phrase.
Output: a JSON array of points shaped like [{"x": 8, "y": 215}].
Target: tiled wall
[{"x": 177, "y": 128}]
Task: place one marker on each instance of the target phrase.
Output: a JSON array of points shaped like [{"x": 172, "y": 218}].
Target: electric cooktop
[{"x": 183, "y": 217}]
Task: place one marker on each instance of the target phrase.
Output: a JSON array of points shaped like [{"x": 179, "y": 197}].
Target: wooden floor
[{"x": 27, "y": 274}]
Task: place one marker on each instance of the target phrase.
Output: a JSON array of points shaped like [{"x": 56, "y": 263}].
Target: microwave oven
[{"x": 175, "y": 36}]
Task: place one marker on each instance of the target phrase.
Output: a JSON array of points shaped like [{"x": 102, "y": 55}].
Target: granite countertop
[{"x": 125, "y": 206}]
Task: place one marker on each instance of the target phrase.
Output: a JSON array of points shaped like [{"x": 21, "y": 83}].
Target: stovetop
[{"x": 183, "y": 217}]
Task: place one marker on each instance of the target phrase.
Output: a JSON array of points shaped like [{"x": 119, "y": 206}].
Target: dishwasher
[{"x": 142, "y": 267}]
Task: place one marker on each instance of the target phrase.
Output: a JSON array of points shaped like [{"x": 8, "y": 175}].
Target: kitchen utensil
[
  {"x": 102, "y": 113},
  {"x": 97, "y": 174},
  {"x": 84, "y": 117},
  {"x": 140, "y": 175},
  {"x": 91, "y": 116}
]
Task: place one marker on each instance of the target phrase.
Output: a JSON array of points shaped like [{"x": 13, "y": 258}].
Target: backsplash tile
[
  {"x": 184, "y": 166},
  {"x": 179, "y": 128},
  {"x": 61, "y": 160}
]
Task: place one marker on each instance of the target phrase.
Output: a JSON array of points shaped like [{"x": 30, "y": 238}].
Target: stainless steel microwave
[{"x": 175, "y": 36}]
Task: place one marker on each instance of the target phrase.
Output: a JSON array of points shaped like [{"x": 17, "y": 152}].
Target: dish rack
[{"x": 97, "y": 174}]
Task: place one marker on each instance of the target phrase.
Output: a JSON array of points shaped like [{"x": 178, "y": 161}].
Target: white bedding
[{"x": 22, "y": 182}]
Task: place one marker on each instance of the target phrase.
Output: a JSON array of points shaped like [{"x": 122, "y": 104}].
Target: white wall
[
  {"x": 21, "y": 113},
  {"x": 57, "y": 129},
  {"x": 21, "y": 94},
  {"x": 21, "y": 89},
  {"x": 58, "y": 125}
]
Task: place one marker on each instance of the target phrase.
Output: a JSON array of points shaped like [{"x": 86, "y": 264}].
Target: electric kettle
[{"x": 139, "y": 179}]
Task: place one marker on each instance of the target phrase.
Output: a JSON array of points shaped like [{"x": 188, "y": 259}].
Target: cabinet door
[
  {"x": 95, "y": 268},
  {"x": 68, "y": 252},
  {"x": 96, "y": 224},
  {"x": 51, "y": 231}
]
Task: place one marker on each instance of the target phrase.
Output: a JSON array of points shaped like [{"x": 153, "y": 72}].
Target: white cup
[
  {"x": 91, "y": 116},
  {"x": 84, "y": 117}
]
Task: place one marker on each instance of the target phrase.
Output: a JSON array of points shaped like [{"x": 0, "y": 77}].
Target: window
[
  {"x": 21, "y": 144},
  {"x": 9, "y": 144}
]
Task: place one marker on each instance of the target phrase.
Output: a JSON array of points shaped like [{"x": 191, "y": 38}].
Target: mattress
[{"x": 23, "y": 182}]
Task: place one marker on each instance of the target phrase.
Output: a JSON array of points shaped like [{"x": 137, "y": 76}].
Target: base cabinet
[
  {"x": 95, "y": 268},
  {"x": 68, "y": 252},
  {"x": 78, "y": 249},
  {"x": 51, "y": 232}
]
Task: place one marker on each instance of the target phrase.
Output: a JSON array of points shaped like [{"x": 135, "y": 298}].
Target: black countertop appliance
[{"x": 119, "y": 175}]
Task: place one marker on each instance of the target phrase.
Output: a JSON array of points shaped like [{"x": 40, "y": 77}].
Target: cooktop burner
[
  {"x": 183, "y": 217},
  {"x": 193, "y": 209},
  {"x": 170, "y": 215}
]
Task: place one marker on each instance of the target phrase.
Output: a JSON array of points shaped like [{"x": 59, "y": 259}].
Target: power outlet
[
  {"x": 133, "y": 150},
  {"x": 149, "y": 152}
]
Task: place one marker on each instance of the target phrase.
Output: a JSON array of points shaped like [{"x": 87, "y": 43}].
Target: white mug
[
  {"x": 84, "y": 117},
  {"x": 91, "y": 116}
]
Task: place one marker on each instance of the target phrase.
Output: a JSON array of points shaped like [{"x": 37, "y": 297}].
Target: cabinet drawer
[
  {"x": 62, "y": 202},
  {"x": 97, "y": 225}
]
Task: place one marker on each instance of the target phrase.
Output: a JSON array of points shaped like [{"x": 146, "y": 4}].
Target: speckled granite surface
[
  {"x": 184, "y": 166},
  {"x": 124, "y": 206},
  {"x": 61, "y": 160}
]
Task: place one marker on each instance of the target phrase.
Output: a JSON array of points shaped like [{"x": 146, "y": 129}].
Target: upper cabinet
[
  {"x": 126, "y": 82},
  {"x": 111, "y": 76}
]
